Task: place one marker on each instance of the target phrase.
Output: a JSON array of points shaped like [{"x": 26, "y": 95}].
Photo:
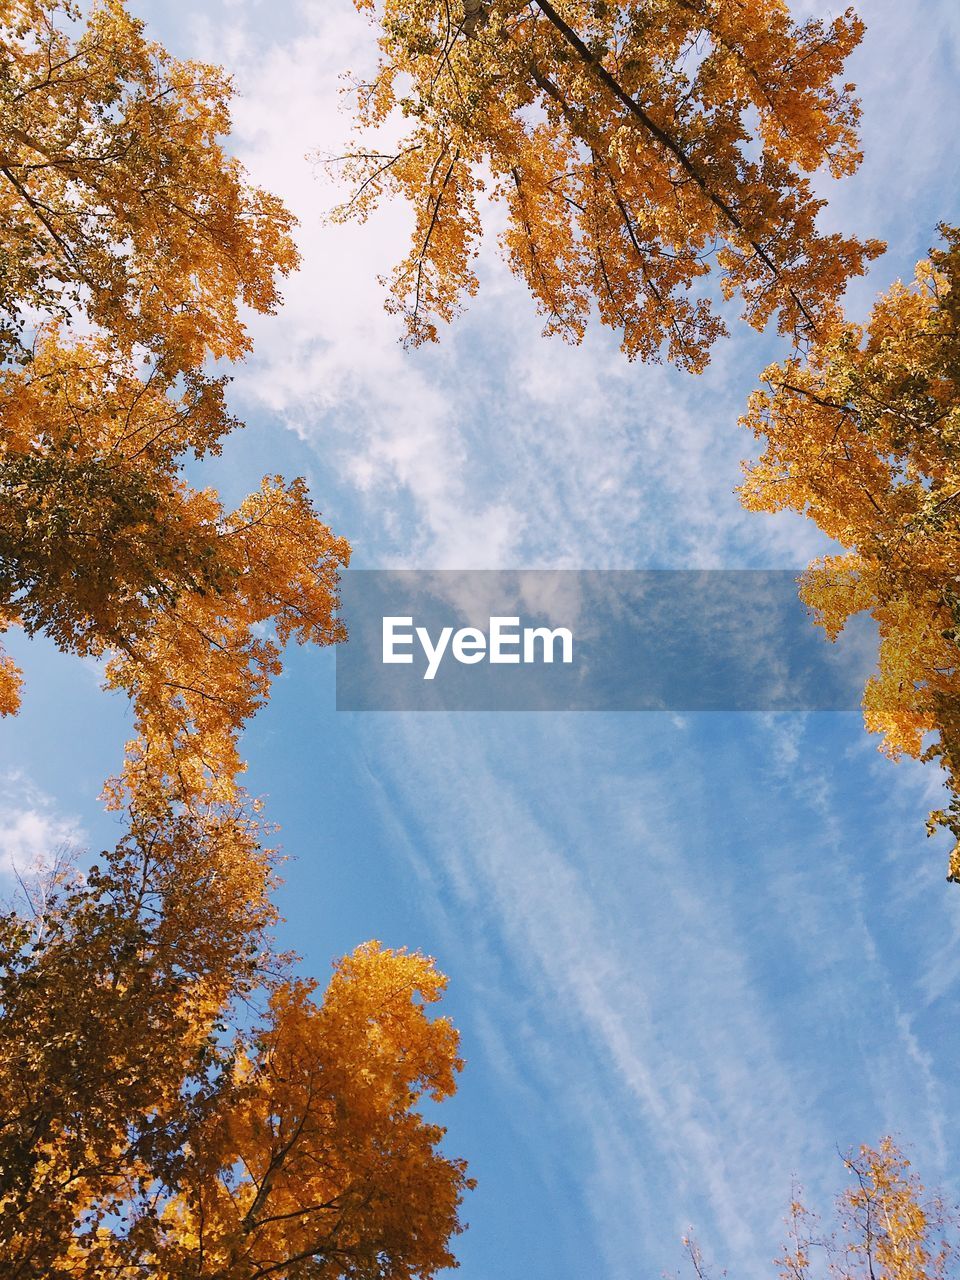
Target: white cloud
[
  {"x": 497, "y": 447},
  {"x": 32, "y": 832},
  {"x": 501, "y": 448}
]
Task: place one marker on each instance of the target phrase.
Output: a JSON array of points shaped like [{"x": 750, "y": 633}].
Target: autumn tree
[
  {"x": 122, "y": 216},
  {"x": 885, "y": 1227},
  {"x": 119, "y": 203},
  {"x": 138, "y": 1137},
  {"x": 172, "y": 1101},
  {"x": 634, "y": 147},
  {"x": 315, "y": 1160},
  {"x": 888, "y": 1227},
  {"x": 131, "y": 241},
  {"x": 864, "y": 438},
  {"x": 111, "y": 986}
]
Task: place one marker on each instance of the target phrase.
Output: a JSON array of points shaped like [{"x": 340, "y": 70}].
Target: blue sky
[{"x": 689, "y": 956}]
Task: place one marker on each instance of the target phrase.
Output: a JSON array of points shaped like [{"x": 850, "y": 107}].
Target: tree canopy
[
  {"x": 864, "y": 438},
  {"x": 174, "y": 1101},
  {"x": 140, "y": 1137},
  {"x": 885, "y": 1226},
  {"x": 634, "y": 148},
  {"x": 123, "y": 219}
]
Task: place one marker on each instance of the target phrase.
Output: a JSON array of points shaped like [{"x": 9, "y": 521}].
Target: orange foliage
[
  {"x": 632, "y": 146},
  {"x": 863, "y": 438},
  {"x": 139, "y": 1136},
  {"x": 888, "y": 1228}
]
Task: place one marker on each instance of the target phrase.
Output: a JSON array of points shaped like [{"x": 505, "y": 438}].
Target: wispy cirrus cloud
[{"x": 707, "y": 1028}]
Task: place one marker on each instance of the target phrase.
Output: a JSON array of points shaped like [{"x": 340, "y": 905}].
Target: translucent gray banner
[{"x": 592, "y": 640}]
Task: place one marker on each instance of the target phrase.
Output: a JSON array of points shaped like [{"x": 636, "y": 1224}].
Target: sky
[{"x": 691, "y": 957}]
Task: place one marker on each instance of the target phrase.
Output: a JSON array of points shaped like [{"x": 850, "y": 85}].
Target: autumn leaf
[
  {"x": 863, "y": 438},
  {"x": 636, "y": 150}
]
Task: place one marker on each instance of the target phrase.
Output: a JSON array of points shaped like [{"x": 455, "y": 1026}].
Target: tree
[
  {"x": 118, "y": 202},
  {"x": 338, "y": 1173},
  {"x": 864, "y": 438},
  {"x": 105, "y": 548},
  {"x": 139, "y": 1138},
  {"x": 121, "y": 215},
  {"x": 632, "y": 145},
  {"x": 111, "y": 989},
  {"x": 886, "y": 1227},
  {"x": 120, "y": 211},
  {"x": 138, "y": 1133}
]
